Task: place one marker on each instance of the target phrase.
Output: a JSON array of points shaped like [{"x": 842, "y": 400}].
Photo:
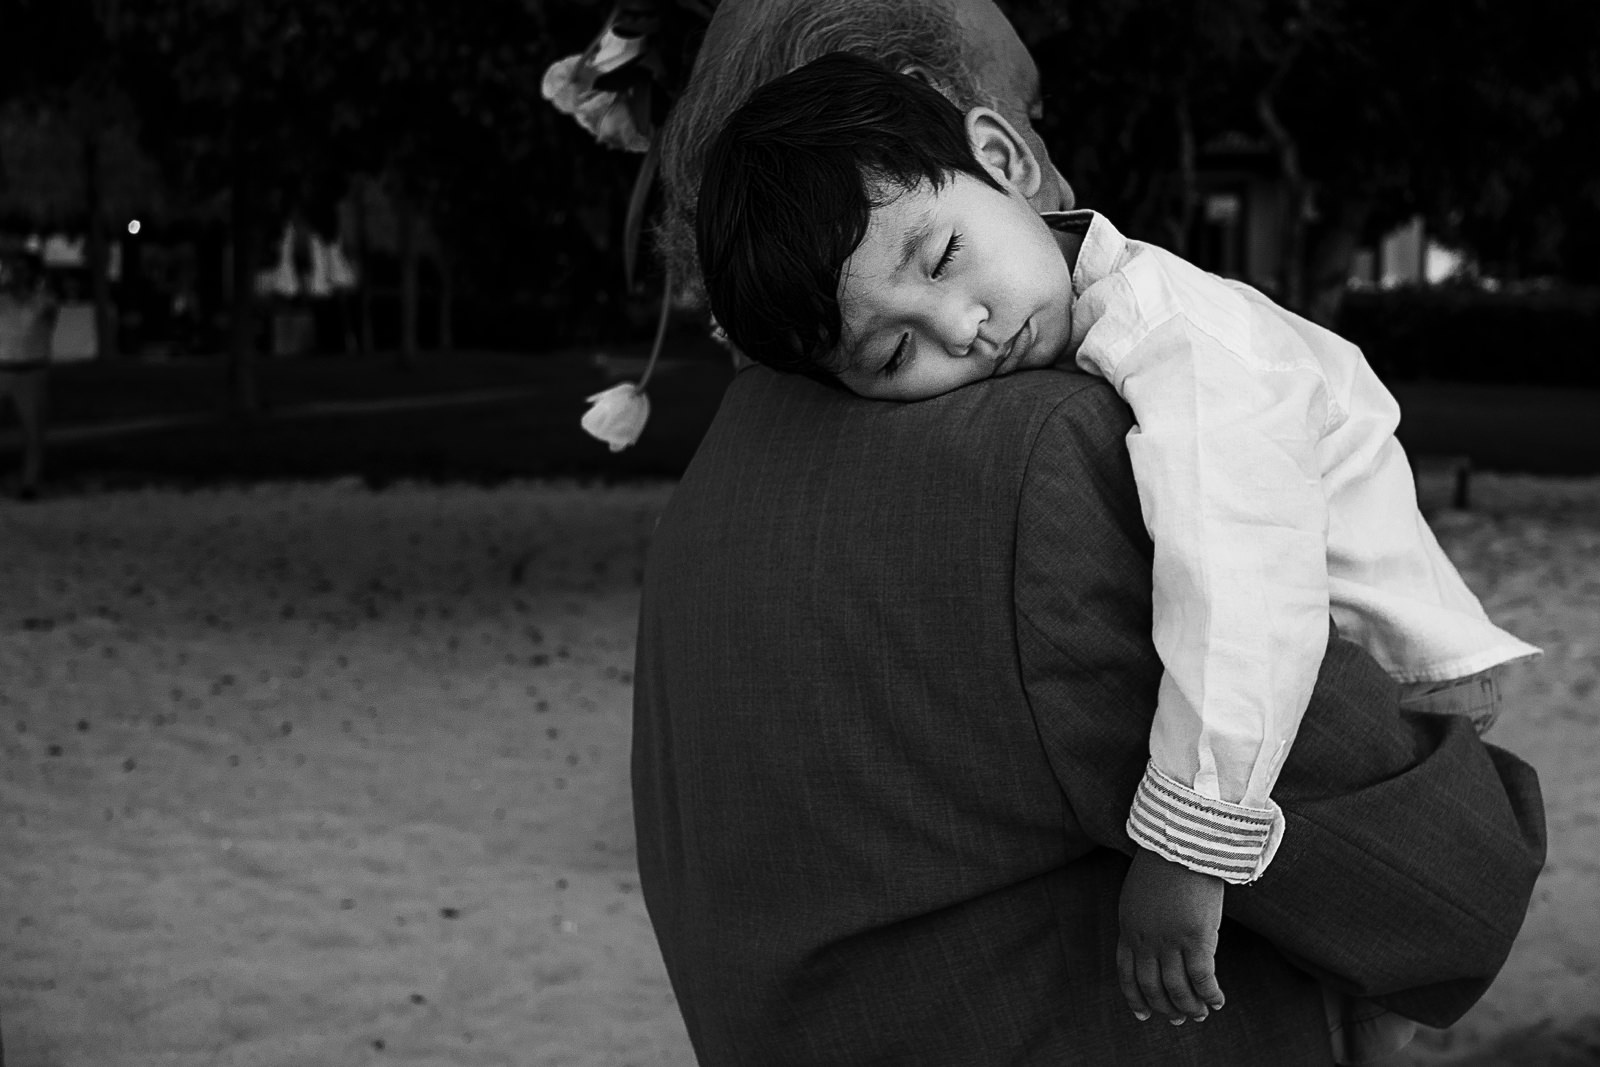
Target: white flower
[
  {"x": 612, "y": 51},
  {"x": 617, "y": 416},
  {"x": 608, "y": 117},
  {"x": 568, "y": 84},
  {"x": 561, "y": 86}
]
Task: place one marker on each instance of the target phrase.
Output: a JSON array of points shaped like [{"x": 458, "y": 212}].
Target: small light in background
[{"x": 133, "y": 227}]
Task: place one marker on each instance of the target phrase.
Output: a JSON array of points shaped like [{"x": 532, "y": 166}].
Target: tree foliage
[{"x": 1475, "y": 114}]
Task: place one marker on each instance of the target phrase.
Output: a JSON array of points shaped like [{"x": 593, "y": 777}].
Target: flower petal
[
  {"x": 561, "y": 84},
  {"x": 617, "y": 415},
  {"x": 612, "y": 51},
  {"x": 616, "y": 128}
]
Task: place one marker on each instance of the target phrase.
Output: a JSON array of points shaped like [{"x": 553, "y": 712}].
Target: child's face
[{"x": 951, "y": 286}]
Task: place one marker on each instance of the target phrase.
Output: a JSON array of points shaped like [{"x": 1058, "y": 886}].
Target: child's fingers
[
  {"x": 1130, "y": 985},
  {"x": 1147, "y": 972},
  {"x": 1175, "y": 979},
  {"x": 1202, "y": 968}
]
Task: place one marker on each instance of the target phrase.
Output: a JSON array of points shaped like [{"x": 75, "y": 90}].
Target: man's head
[
  {"x": 855, "y": 226},
  {"x": 965, "y": 48}
]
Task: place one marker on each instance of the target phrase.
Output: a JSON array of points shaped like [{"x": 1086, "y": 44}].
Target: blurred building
[{"x": 1239, "y": 226}]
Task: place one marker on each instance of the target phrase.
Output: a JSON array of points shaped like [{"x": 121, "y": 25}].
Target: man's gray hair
[{"x": 780, "y": 36}]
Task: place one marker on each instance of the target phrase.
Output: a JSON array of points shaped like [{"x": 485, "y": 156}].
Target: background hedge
[{"x": 1458, "y": 333}]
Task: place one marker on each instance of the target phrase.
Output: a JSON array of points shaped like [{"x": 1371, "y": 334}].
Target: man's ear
[
  {"x": 925, "y": 76},
  {"x": 1003, "y": 152}
]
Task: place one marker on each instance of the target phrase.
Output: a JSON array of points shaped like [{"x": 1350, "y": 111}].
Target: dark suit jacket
[{"x": 893, "y": 696}]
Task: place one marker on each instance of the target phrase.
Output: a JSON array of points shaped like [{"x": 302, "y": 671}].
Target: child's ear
[{"x": 1003, "y": 152}]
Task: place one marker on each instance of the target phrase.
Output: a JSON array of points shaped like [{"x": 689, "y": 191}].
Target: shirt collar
[{"x": 1103, "y": 245}]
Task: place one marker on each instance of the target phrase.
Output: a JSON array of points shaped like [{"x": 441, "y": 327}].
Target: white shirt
[{"x": 1275, "y": 493}]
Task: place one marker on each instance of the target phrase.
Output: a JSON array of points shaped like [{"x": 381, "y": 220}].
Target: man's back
[{"x": 855, "y": 836}]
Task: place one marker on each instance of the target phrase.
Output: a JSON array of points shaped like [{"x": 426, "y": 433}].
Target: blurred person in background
[{"x": 28, "y": 312}]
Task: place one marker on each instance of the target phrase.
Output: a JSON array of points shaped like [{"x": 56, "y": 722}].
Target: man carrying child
[
  {"x": 896, "y": 678},
  {"x": 854, "y": 226}
]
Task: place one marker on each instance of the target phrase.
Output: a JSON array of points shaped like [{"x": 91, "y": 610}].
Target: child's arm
[
  {"x": 1230, "y": 407},
  {"x": 1167, "y": 944}
]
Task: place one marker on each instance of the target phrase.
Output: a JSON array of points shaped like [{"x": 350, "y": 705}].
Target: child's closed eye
[
  {"x": 950, "y": 251},
  {"x": 898, "y": 359}
]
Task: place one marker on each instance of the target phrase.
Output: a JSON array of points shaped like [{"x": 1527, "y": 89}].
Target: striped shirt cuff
[{"x": 1213, "y": 837}]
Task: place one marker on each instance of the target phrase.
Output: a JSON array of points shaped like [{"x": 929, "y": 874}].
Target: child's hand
[{"x": 1166, "y": 952}]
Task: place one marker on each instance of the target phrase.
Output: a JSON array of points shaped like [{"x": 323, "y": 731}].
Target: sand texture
[{"x": 312, "y": 775}]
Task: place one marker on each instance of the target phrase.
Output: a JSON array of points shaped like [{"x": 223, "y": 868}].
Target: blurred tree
[
  {"x": 59, "y": 95},
  {"x": 1529, "y": 106},
  {"x": 439, "y": 104},
  {"x": 1474, "y": 113},
  {"x": 1133, "y": 89},
  {"x": 229, "y": 94},
  {"x": 278, "y": 108},
  {"x": 1467, "y": 113}
]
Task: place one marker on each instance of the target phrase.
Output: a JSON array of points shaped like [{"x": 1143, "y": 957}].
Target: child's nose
[{"x": 959, "y": 324}]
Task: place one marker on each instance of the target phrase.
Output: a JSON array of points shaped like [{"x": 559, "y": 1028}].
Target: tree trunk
[
  {"x": 243, "y": 398},
  {"x": 1331, "y": 249},
  {"x": 105, "y": 310},
  {"x": 447, "y": 298},
  {"x": 364, "y": 343},
  {"x": 1188, "y": 175},
  {"x": 1291, "y": 269},
  {"x": 406, "y": 221},
  {"x": 106, "y": 319}
]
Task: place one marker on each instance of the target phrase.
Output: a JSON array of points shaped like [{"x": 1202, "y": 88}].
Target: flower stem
[{"x": 661, "y": 329}]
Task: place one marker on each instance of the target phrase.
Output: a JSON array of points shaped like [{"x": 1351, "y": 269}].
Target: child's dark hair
[{"x": 789, "y": 188}]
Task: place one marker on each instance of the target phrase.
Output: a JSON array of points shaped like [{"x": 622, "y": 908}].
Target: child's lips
[{"x": 1011, "y": 352}]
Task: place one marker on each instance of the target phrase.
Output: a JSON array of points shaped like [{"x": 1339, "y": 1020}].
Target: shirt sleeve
[
  {"x": 1224, "y": 454},
  {"x": 1413, "y": 853}
]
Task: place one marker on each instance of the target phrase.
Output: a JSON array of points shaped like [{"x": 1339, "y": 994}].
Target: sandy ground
[{"x": 318, "y": 776}]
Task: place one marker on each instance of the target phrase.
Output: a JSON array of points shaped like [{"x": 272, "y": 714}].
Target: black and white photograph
[{"x": 799, "y": 533}]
